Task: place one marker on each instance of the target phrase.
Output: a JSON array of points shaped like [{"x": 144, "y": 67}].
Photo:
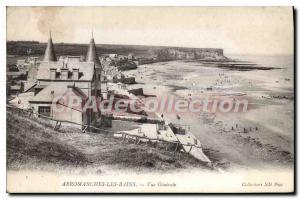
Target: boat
[
  {"x": 178, "y": 135},
  {"x": 189, "y": 142}
]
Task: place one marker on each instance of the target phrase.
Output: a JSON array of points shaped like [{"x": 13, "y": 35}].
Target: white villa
[{"x": 69, "y": 76}]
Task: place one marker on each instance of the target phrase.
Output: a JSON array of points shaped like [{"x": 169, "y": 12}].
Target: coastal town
[
  {"x": 43, "y": 87},
  {"x": 39, "y": 85},
  {"x": 149, "y": 99}
]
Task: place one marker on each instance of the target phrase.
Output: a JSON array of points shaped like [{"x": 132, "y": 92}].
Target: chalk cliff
[{"x": 167, "y": 54}]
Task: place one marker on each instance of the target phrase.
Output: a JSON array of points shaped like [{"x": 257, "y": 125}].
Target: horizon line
[{"x": 148, "y": 45}]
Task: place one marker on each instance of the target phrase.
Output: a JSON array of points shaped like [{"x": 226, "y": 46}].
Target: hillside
[
  {"x": 161, "y": 53},
  {"x": 31, "y": 145},
  {"x": 36, "y": 49}
]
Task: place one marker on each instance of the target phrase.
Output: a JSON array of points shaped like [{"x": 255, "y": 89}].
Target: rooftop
[
  {"x": 55, "y": 92},
  {"x": 85, "y": 68}
]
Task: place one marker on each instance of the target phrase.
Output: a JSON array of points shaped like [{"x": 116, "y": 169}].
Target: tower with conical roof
[
  {"x": 50, "y": 53},
  {"x": 92, "y": 55}
]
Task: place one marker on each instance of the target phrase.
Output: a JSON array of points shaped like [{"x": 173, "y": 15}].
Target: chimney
[
  {"x": 75, "y": 73},
  {"x": 52, "y": 73},
  {"x": 64, "y": 73}
]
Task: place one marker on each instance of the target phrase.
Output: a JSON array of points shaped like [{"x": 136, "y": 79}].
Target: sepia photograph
[{"x": 150, "y": 99}]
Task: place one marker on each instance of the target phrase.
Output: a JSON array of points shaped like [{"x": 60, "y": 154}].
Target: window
[
  {"x": 44, "y": 110},
  {"x": 70, "y": 75},
  {"x": 57, "y": 75},
  {"x": 99, "y": 77},
  {"x": 98, "y": 93}
]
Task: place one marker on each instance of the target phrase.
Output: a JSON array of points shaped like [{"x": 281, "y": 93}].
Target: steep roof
[
  {"x": 49, "y": 93},
  {"x": 54, "y": 92},
  {"x": 86, "y": 69},
  {"x": 29, "y": 86},
  {"x": 92, "y": 55},
  {"x": 50, "y": 53}
]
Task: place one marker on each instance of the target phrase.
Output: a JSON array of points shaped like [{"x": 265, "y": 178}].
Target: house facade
[{"x": 78, "y": 77}]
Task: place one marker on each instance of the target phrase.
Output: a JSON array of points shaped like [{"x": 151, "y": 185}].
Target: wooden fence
[{"x": 56, "y": 124}]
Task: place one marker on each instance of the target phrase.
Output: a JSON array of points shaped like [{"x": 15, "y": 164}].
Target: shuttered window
[{"x": 44, "y": 110}]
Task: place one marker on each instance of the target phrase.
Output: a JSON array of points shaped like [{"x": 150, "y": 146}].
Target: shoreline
[{"x": 230, "y": 147}]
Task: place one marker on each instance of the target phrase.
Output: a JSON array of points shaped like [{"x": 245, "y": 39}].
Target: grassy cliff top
[{"x": 31, "y": 145}]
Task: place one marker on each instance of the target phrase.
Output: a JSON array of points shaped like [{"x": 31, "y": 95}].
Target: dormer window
[
  {"x": 57, "y": 75},
  {"x": 52, "y": 73},
  {"x": 69, "y": 75},
  {"x": 64, "y": 73},
  {"x": 75, "y": 74}
]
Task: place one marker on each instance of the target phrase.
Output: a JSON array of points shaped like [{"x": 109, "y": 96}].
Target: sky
[{"x": 238, "y": 30}]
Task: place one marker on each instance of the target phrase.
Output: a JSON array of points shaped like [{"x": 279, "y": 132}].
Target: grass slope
[{"x": 31, "y": 145}]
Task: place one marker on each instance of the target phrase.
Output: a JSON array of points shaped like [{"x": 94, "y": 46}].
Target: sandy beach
[{"x": 262, "y": 137}]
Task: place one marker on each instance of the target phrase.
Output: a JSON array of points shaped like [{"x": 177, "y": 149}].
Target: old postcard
[{"x": 150, "y": 99}]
